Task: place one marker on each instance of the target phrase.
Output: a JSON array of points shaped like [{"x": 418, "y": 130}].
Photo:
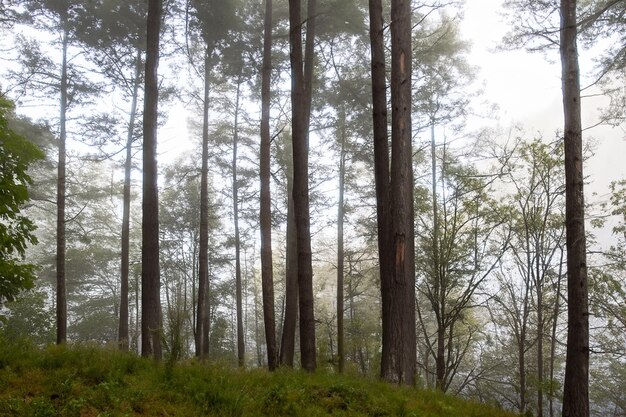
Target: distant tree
[
  {"x": 32, "y": 318},
  {"x": 210, "y": 23},
  {"x": 116, "y": 43},
  {"x": 16, "y": 230},
  {"x": 150, "y": 271},
  {"x": 60, "y": 14}
]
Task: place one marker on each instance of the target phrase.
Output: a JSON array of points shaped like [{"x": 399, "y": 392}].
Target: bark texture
[
  {"x": 150, "y": 272},
  {"x": 381, "y": 174},
  {"x": 267, "y": 275},
  {"x": 576, "y": 384},
  {"x": 299, "y": 93},
  {"x": 203, "y": 244},
  {"x": 403, "y": 350}
]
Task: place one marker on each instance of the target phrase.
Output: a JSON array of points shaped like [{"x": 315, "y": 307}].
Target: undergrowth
[{"x": 91, "y": 382}]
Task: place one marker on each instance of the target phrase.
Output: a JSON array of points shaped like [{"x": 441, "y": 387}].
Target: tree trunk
[
  {"x": 403, "y": 351},
  {"x": 151, "y": 328},
  {"x": 553, "y": 339},
  {"x": 123, "y": 324},
  {"x": 540, "y": 330},
  {"x": 203, "y": 255},
  {"x": 381, "y": 175},
  {"x": 60, "y": 261},
  {"x": 267, "y": 276},
  {"x": 576, "y": 383},
  {"x": 301, "y": 188},
  {"x": 287, "y": 347},
  {"x": 340, "y": 251},
  {"x": 241, "y": 349},
  {"x": 438, "y": 275}
]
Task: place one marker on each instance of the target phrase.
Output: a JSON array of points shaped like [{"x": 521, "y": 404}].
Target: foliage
[
  {"x": 31, "y": 317},
  {"x": 16, "y": 230},
  {"x": 61, "y": 381}
]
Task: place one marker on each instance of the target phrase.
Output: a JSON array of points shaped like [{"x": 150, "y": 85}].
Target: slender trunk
[
  {"x": 206, "y": 325},
  {"x": 301, "y": 189},
  {"x": 553, "y": 340},
  {"x": 137, "y": 321},
  {"x": 576, "y": 383},
  {"x": 241, "y": 349},
  {"x": 440, "y": 359},
  {"x": 61, "y": 290},
  {"x": 123, "y": 324},
  {"x": 381, "y": 174},
  {"x": 287, "y": 347},
  {"x": 540, "y": 331},
  {"x": 257, "y": 339},
  {"x": 267, "y": 275},
  {"x": 403, "y": 354},
  {"x": 151, "y": 327},
  {"x": 340, "y": 252},
  {"x": 437, "y": 270},
  {"x": 521, "y": 347},
  {"x": 203, "y": 255}
]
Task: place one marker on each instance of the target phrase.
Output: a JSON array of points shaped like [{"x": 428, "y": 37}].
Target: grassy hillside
[{"x": 93, "y": 382}]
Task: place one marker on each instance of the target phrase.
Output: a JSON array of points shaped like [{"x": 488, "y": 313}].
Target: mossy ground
[{"x": 90, "y": 382}]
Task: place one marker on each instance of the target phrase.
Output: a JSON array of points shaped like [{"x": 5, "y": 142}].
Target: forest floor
[{"x": 90, "y": 382}]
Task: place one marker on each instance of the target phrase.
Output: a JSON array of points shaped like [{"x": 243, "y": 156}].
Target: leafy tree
[
  {"x": 459, "y": 245},
  {"x": 527, "y": 304},
  {"x": 31, "y": 317},
  {"x": 16, "y": 230}
]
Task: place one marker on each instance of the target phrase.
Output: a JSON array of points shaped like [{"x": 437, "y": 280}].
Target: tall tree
[
  {"x": 381, "y": 174},
  {"x": 241, "y": 350},
  {"x": 61, "y": 180},
  {"x": 576, "y": 383},
  {"x": 150, "y": 270},
  {"x": 300, "y": 108},
  {"x": 123, "y": 335},
  {"x": 340, "y": 245},
  {"x": 211, "y": 21},
  {"x": 399, "y": 346},
  {"x": 267, "y": 277}
]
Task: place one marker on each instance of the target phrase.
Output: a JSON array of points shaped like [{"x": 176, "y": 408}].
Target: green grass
[{"x": 85, "y": 382}]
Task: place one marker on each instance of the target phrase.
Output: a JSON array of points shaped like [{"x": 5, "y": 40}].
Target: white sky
[{"x": 527, "y": 88}]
